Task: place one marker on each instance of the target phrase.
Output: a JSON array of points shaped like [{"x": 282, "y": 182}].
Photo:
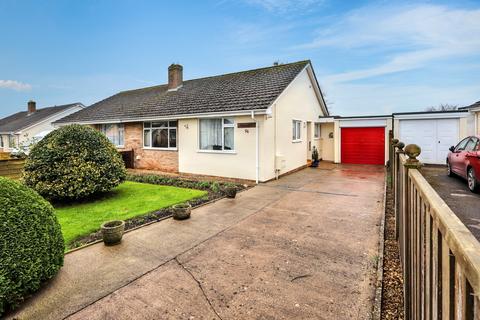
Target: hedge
[
  {"x": 31, "y": 242},
  {"x": 73, "y": 162}
]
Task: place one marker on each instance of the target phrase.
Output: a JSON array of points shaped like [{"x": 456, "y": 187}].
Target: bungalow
[
  {"x": 253, "y": 125},
  {"x": 23, "y": 128}
]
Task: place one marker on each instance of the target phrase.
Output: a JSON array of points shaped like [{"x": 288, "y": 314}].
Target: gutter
[
  {"x": 257, "y": 159},
  {"x": 170, "y": 117}
]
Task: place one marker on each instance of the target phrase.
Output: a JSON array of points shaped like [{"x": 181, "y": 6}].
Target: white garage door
[{"x": 434, "y": 136}]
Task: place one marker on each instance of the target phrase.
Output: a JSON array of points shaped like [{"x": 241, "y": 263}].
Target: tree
[{"x": 443, "y": 107}]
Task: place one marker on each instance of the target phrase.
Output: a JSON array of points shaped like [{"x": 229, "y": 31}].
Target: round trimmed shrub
[
  {"x": 31, "y": 242},
  {"x": 73, "y": 162}
]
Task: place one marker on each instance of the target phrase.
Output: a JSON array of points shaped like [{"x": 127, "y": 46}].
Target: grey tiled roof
[
  {"x": 21, "y": 120},
  {"x": 475, "y": 105},
  {"x": 241, "y": 91}
]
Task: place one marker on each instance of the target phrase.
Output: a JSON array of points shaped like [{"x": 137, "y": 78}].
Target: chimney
[
  {"x": 32, "y": 106},
  {"x": 175, "y": 76}
]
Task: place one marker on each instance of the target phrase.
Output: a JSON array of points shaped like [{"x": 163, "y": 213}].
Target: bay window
[
  {"x": 217, "y": 134},
  {"x": 115, "y": 132},
  {"x": 297, "y": 130},
  {"x": 160, "y": 135}
]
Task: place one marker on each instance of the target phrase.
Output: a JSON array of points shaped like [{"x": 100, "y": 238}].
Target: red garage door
[{"x": 363, "y": 145}]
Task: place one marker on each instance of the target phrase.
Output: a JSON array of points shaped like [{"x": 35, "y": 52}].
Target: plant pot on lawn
[
  {"x": 182, "y": 211},
  {"x": 230, "y": 191},
  {"x": 112, "y": 232}
]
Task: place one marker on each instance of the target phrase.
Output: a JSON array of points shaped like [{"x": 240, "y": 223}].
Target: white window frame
[
  {"x": 168, "y": 127},
  {"x": 317, "y": 135},
  {"x": 228, "y": 125},
  {"x": 297, "y": 126},
  {"x": 120, "y": 127}
]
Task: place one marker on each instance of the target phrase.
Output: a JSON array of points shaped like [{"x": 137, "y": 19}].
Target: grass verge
[{"x": 130, "y": 199}]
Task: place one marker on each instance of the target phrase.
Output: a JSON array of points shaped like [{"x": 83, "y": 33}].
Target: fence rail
[
  {"x": 11, "y": 168},
  {"x": 440, "y": 257}
]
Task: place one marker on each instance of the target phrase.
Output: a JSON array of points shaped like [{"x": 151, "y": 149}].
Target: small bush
[
  {"x": 31, "y": 242},
  {"x": 73, "y": 162}
]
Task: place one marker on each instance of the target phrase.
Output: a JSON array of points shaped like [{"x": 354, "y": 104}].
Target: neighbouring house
[
  {"x": 23, "y": 128},
  {"x": 255, "y": 125}
]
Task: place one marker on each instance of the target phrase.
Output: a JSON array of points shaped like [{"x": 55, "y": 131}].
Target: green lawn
[{"x": 128, "y": 200}]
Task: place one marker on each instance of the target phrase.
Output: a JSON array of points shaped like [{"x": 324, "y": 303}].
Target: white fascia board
[
  {"x": 325, "y": 120},
  {"x": 49, "y": 118},
  {"x": 269, "y": 109},
  {"x": 423, "y": 116},
  {"x": 314, "y": 86},
  {"x": 183, "y": 116},
  {"x": 317, "y": 89}
]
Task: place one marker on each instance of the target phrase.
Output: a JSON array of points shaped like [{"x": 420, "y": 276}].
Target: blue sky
[{"x": 370, "y": 57}]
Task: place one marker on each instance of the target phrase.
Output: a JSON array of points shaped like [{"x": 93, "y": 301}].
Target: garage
[
  {"x": 357, "y": 139},
  {"x": 434, "y": 132},
  {"x": 363, "y": 145}
]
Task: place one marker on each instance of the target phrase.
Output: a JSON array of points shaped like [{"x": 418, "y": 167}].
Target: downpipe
[{"x": 257, "y": 160}]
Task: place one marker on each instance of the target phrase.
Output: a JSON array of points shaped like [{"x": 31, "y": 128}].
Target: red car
[{"x": 464, "y": 160}]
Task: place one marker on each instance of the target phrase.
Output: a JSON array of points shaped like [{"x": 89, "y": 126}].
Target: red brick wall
[{"x": 148, "y": 159}]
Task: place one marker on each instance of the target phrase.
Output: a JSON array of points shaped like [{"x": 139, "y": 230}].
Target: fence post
[
  {"x": 410, "y": 238},
  {"x": 396, "y": 187}
]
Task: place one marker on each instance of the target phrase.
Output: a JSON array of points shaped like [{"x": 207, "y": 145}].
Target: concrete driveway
[
  {"x": 454, "y": 191},
  {"x": 302, "y": 247}
]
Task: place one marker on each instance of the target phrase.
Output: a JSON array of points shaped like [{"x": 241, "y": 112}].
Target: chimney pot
[
  {"x": 175, "y": 76},
  {"x": 32, "y": 106}
]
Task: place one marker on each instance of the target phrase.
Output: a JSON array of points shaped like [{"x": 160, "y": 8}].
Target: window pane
[
  {"x": 147, "y": 139},
  {"x": 227, "y": 121},
  {"x": 211, "y": 134},
  {"x": 462, "y": 145},
  {"x": 121, "y": 134},
  {"x": 147, "y": 124},
  {"x": 228, "y": 140},
  {"x": 161, "y": 124},
  {"x": 173, "y": 124},
  {"x": 470, "y": 145},
  {"x": 160, "y": 138},
  {"x": 173, "y": 138},
  {"x": 294, "y": 133}
]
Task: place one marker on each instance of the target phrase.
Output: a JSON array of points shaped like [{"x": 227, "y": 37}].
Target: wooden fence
[
  {"x": 439, "y": 255},
  {"x": 12, "y": 168}
]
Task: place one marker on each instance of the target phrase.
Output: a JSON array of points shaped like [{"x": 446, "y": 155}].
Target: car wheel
[
  {"x": 449, "y": 170},
  {"x": 472, "y": 180}
]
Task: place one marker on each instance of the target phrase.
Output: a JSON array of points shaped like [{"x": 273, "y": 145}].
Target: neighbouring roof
[
  {"x": 241, "y": 91},
  {"x": 22, "y": 120},
  {"x": 473, "y": 106}
]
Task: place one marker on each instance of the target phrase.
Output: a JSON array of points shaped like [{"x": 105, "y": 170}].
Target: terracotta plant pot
[
  {"x": 230, "y": 192},
  {"x": 112, "y": 232},
  {"x": 181, "y": 211}
]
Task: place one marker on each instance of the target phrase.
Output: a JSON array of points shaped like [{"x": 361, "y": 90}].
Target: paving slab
[{"x": 302, "y": 247}]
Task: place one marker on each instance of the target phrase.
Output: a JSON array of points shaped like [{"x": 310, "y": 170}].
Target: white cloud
[
  {"x": 408, "y": 37},
  {"x": 371, "y": 99},
  {"x": 14, "y": 85},
  {"x": 283, "y": 6}
]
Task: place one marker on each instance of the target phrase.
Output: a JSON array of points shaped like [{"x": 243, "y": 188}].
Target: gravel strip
[{"x": 392, "y": 303}]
